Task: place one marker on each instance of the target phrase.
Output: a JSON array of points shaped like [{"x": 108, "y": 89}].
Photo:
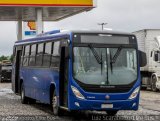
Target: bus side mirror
[
  {"x": 142, "y": 59},
  {"x": 157, "y": 56}
]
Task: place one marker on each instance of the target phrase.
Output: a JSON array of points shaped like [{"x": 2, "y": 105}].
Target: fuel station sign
[
  {"x": 29, "y": 29},
  {"x": 31, "y": 25}
]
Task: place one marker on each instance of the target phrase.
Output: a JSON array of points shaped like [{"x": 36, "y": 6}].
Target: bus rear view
[{"x": 105, "y": 72}]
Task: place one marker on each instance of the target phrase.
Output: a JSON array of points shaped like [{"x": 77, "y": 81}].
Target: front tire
[
  {"x": 1, "y": 80},
  {"x": 24, "y": 99},
  {"x": 31, "y": 101},
  {"x": 111, "y": 113},
  {"x": 153, "y": 85},
  {"x": 55, "y": 107}
]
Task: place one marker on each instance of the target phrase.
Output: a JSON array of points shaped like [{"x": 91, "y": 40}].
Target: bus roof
[{"x": 64, "y": 34}]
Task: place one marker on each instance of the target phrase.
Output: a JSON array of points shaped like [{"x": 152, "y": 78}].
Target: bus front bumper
[{"x": 78, "y": 104}]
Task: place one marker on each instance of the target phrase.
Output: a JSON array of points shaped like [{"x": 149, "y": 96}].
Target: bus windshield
[{"x": 116, "y": 66}]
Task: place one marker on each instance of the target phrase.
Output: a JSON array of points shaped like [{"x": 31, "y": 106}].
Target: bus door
[
  {"x": 16, "y": 70},
  {"x": 64, "y": 76}
]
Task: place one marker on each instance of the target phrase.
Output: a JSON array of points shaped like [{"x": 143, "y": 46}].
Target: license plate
[{"x": 107, "y": 106}]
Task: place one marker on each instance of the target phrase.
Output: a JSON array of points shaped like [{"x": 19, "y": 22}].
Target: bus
[{"x": 78, "y": 71}]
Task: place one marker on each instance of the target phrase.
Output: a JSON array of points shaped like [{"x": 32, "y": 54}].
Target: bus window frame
[{"x": 37, "y": 43}]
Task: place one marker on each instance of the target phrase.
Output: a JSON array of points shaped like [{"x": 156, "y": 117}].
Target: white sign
[{"x": 29, "y": 29}]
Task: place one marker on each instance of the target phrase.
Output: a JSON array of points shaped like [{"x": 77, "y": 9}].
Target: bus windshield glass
[{"x": 104, "y": 65}]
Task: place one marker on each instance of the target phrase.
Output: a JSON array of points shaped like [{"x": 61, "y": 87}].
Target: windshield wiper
[
  {"x": 113, "y": 60},
  {"x": 99, "y": 60}
]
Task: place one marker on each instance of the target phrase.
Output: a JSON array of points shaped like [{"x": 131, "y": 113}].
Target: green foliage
[
  {"x": 3, "y": 57},
  {"x": 11, "y": 58}
]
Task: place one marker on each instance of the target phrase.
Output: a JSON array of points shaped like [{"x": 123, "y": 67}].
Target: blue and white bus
[{"x": 78, "y": 70}]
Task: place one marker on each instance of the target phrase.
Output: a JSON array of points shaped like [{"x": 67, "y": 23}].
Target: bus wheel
[
  {"x": 111, "y": 113},
  {"x": 55, "y": 107},
  {"x": 1, "y": 80},
  {"x": 153, "y": 85},
  {"x": 24, "y": 99},
  {"x": 31, "y": 101}
]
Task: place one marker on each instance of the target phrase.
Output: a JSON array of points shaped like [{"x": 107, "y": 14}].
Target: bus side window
[
  {"x": 26, "y": 55},
  {"x": 55, "y": 60},
  {"x": 32, "y": 58},
  {"x": 47, "y": 54},
  {"x": 39, "y": 55}
]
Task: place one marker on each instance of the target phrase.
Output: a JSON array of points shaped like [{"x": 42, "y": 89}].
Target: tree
[
  {"x": 3, "y": 58},
  {"x": 11, "y": 58}
]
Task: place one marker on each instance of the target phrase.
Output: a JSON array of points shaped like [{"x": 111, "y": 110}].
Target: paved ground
[{"x": 11, "y": 108}]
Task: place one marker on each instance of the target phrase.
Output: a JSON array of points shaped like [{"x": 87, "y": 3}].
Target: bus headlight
[
  {"x": 77, "y": 93},
  {"x": 135, "y": 93}
]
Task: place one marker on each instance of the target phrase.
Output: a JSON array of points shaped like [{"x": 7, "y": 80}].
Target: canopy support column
[
  {"x": 39, "y": 22},
  {"x": 19, "y": 30}
]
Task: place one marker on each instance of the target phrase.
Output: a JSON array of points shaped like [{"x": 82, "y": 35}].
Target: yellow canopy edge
[{"x": 46, "y": 2}]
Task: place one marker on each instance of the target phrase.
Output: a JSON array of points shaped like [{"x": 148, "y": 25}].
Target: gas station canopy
[{"x": 52, "y": 10}]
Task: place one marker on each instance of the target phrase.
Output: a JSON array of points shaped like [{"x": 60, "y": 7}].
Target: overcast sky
[{"x": 121, "y": 15}]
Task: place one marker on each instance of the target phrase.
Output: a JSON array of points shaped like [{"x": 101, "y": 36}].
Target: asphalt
[{"x": 11, "y": 109}]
